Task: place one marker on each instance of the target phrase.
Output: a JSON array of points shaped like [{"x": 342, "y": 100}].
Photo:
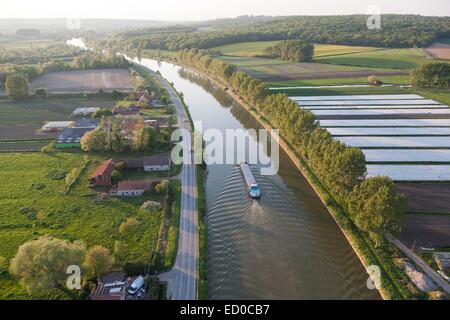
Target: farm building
[
  {"x": 102, "y": 174},
  {"x": 87, "y": 123},
  {"x": 132, "y": 110},
  {"x": 71, "y": 137},
  {"x": 153, "y": 163},
  {"x": 111, "y": 286},
  {"x": 130, "y": 188},
  {"x": 53, "y": 126},
  {"x": 84, "y": 111}
]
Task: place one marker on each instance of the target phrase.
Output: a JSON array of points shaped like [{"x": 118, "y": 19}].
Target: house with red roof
[{"x": 102, "y": 174}]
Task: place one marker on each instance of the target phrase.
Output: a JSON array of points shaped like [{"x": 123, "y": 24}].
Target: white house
[{"x": 130, "y": 188}]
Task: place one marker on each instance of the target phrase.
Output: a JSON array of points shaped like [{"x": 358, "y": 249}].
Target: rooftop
[
  {"x": 136, "y": 185},
  {"x": 105, "y": 168}
]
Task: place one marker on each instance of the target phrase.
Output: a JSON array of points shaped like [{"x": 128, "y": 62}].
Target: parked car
[{"x": 136, "y": 285}]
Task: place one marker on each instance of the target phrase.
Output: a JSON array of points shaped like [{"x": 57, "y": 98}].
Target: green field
[
  {"x": 325, "y": 50},
  {"x": 389, "y": 58},
  {"x": 245, "y": 49},
  {"x": 32, "y": 204},
  {"x": 343, "y": 91},
  {"x": 253, "y": 49},
  {"x": 398, "y": 79},
  {"x": 28, "y": 44}
]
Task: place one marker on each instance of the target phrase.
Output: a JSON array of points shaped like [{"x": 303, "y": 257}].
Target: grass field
[
  {"x": 28, "y": 44},
  {"x": 33, "y": 204},
  {"x": 389, "y": 58}
]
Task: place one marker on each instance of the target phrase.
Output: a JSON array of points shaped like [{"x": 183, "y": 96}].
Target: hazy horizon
[{"x": 199, "y": 10}]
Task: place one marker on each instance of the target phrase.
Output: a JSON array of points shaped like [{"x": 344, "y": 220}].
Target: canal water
[{"x": 284, "y": 246}]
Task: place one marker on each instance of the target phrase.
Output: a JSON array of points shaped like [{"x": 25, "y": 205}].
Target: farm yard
[
  {"x": 399, "y": 141},
  {"x": 20, "y": 121},
  {"x": 88, "y": 81},
  {"x": 45, "y": 205}
]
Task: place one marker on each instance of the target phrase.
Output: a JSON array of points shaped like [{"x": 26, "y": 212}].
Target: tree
[
  {"x": 98, "y": 261},
  {"x": 120, "y": 249},
  {"x": 94, "y": 141},
  {"x": 162, "y": 187},
  {"x": 42, "y": 264},
  {"x": 17, "y": 86},
  {"x": 128, "y": 225},
  {"x": 431, "y": 75},
  {"x": 376, "y": 208},
  {"x": 116, "y": 175}
]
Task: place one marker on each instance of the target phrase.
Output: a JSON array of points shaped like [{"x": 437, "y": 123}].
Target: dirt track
[
  {"x": 439, "y": 50},
  {"x": 85, "y": 81}
]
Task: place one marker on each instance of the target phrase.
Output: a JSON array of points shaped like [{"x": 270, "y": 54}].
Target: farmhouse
[
  {"x": 53, "y": 126},
  {"x": 102, "y": 174},
  {"x": 84, "y": 111},
  {"x": 153, "y": 163},
  {"x": 132, "y": 110},
  {"x": 130, "y": 188}
]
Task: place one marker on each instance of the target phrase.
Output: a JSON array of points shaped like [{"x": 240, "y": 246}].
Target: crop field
[
  {"x": 390, "y": 58},
  {"x": 426, "y": 197},
  {"x": 325, "y": 50},
  {"x": 355, "y": 131},
  {"x": 88, "y": 81},
  {"x": 245, "y": 49},
  {"x": 33, "y": 203},
  {"x": 387, "y": 123},
  {"x": 381, "y": 102},
  {"x": 405, "y": 172},
  {"x": 402, "y": 79},
  {"x": 378, "y": 112},
  {"x": 20, "y": 146},
  {"x": 439, "y": 51},
  {"x": 428, "y": 231},
  {"x": 410, "y": 155},
  {"x": 256, "y": 48},
  {"x": 271, "y": 70},
  {"x": 396, "y": 142},
  {"x": 386, "y": 108},
  {"x": 23, "y": 131},
  {"x": 346, "y": 90},
  {"x": 359, "y": 97}
]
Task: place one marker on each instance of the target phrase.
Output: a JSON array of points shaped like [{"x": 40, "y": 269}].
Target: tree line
[
  {"x": 291, "y": 50},
  {"x": 435, "y": 75},
  {"x": 396, "y": 31},
  {"x": 372, "y": 203}
]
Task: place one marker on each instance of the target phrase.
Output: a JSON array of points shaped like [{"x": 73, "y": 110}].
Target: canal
[{"x": 284, "y": 246}]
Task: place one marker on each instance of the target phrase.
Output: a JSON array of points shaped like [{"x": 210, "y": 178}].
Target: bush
[
  {"x": 135, "y": 268},
  {"x": 127, "y": 226}
]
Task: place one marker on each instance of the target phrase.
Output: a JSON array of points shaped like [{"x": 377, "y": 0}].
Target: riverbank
[{"x": 364, "y": 251}]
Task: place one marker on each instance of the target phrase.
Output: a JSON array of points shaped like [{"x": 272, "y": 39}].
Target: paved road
[
  {"x": 182, "y": 279},
  {"x": 422, "y": 265}
]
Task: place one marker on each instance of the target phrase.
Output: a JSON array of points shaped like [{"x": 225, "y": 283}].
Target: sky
[{"x": 190, "y": 10}]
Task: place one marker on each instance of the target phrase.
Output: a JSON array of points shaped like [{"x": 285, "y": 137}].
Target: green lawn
[
  {"x": 389, "y": 58},
  {"x": 173, "y": 232},
  {"x": 33, "y": 204}
]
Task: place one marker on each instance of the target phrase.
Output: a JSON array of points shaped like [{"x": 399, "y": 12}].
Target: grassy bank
[
  {"x": 174, "y": 226},
  {"x": 203, "y": 236}
]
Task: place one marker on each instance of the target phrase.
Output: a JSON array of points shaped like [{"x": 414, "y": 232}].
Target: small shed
[{"x": 84, "y": 111}]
